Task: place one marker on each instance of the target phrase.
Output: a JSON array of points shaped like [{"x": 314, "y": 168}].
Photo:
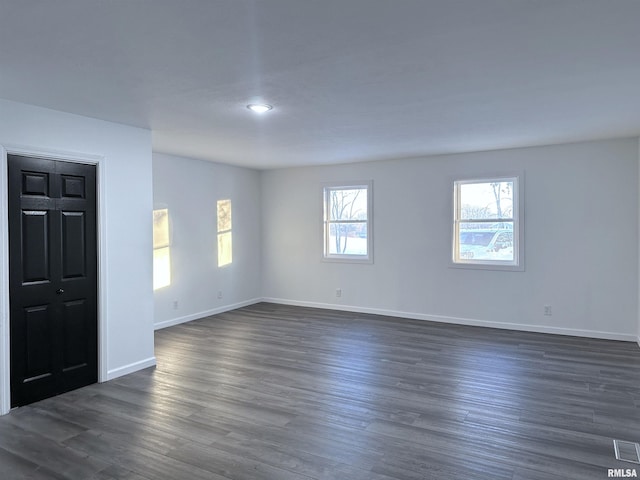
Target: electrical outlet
[
  {"x": 219, "y": 293},
  {"x": 338, "y": 292},
  {"x": 175, "y": 304},
  {"x": 547, "y": 310}
]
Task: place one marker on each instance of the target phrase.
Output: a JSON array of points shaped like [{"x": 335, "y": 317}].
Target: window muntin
[
  {"x": 347, "y": 222},
  {"x": 486, "y": 228},
  {"x": 161, "y": 249}
]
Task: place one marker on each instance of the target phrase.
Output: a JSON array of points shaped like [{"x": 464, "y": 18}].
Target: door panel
[
  {"x": 52, "y": 276},
  {"x": 74, "y": 321},
  {"x": 35, "y": 239},
  {"x": 73, "y": 186},
  {"x": 35, "y": 183},
  {"x": 37, "y": 321},
  {"x": 74, "y": 249}
]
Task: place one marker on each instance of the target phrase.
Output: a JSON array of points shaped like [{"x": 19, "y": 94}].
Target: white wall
[
  {"x": 581, "y": 241},
  {"x": 190, "y": 190},
  {"x": 124, "y": 154}
]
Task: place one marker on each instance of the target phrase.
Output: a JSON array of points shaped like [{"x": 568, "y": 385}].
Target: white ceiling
[{"x": 350, "y": 80}]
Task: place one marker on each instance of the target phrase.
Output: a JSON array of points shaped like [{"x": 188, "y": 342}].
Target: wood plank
[{"x": 273, "y": 391}]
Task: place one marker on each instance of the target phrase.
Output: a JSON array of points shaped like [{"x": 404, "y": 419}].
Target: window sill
[
  {"x": 487, "y": 266},
  {"x": 348, "y": 259}
]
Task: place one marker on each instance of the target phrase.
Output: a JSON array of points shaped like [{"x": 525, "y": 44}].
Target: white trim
[
  {"x": 103, "y": 340},
  {"x": 5, "y": 357},
  {"x": 207, "y": 313},
  {"x": 74, "y": 157},
  {"x": 103, "y": 273},
  {"x": 131, "y": 368},
  {"x": 346, "y": 258},
  {"x": 461, "y": 321}
]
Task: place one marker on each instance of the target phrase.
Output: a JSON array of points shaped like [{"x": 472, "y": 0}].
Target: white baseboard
[
  {"x": 462, "y": 321},
  {"x": 207, "y": 313},
  {"x": 132, "y": 367}
]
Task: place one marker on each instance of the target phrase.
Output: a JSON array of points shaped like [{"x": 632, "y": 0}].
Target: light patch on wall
[
  {"x": 161, "y": 249},
  {"x": 225, "y": 240}
]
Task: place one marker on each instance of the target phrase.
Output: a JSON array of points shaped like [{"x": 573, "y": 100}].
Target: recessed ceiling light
[{"x": 259, "y": 107}]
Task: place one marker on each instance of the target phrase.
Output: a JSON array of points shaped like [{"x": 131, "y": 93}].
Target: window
[
  {"x": 347, "y": 222},
  {"x": 161, "y": 249},
  {"x": 225, "y": 239},
  {"x": 486, "y": 224}
]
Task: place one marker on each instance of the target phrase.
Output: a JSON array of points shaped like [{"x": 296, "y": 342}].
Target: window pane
[
  {"x": 160, "y": 228},
  {"x": 224, "y": 215},
  {"x": 347, "y": 223},
  {"x": 486, "y": 224},
  {"x": 486, "y": 200},
  {"x": 347, "y": 239},
  {"x": 347, "y": 204},
  {"x": 161, "y": 268},
  {"x": 485, "y": 241},
  {"x": 225, "y": 253}
]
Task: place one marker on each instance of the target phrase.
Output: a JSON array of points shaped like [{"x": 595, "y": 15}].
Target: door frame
[{"x": 5, "y": 353}]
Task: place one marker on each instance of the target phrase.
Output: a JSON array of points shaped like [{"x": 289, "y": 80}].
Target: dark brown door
[{"x": 52, "y": 277}]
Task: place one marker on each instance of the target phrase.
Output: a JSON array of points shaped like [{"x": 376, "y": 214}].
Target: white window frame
[
  {"x": 339, "y": 257},
  {"x": 517, "y": 264}
]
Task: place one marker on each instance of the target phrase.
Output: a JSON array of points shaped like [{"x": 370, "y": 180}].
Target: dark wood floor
[{"x": 277, "y": 392}]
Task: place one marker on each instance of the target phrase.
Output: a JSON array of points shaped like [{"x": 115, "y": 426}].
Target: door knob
[{"x": 60, "y": 291}]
